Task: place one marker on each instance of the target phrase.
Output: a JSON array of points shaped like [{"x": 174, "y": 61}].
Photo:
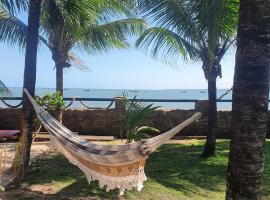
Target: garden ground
[{"x": 175, "y": 171}]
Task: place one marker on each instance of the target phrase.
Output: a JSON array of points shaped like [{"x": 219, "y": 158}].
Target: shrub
[{"x": 132, "y": 121}]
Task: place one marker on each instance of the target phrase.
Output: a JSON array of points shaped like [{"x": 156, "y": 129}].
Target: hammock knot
[
  {"x": 144, "y": 148},
  {"x": 197, "y": 116}
]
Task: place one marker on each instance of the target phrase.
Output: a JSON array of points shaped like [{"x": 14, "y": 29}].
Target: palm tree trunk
[
  {"x": 59, "y": 77},
  {"x": 59, "y": 86},
  {"x": 250, "y": 101},
  {"x": 210, "y": 145},
  {"x": 22, "y": 157}
]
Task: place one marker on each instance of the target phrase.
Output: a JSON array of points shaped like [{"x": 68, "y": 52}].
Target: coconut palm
[
  {"x": 250, "y": 101},
  {"x": 199, "y": 30},
  {"x": 71, "y": 25},
  {"x": 91, "y": 33}
]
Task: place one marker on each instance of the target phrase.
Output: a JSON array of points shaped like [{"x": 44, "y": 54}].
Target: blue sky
[{"x": 119, "y": 69}]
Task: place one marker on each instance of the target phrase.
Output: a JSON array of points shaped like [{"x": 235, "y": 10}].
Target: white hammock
[{"x": 114, "y": 166}]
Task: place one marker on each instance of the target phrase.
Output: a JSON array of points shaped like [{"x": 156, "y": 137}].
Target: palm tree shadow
[
  {"x": 55, "y": 168},
  {"x": 179, "y": 167},
  {"x": 81, "y": 188},
  {"x": 175, "y": 166}
]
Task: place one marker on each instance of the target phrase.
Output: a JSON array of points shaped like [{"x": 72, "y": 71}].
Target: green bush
[
  {"x": 51, "y": 101},
  {"x": 132, "y": 121}
]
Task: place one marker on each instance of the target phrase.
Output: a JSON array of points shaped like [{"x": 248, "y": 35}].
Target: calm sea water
[{"x": 149, "y": 94}]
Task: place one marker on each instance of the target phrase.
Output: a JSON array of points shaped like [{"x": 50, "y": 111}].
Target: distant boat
[
  {"x": 66, "y": 89},
  {"x": 202, "y": 91},
  {"x": 86, "y": 90},
  {"x": 183, "y": 91}
]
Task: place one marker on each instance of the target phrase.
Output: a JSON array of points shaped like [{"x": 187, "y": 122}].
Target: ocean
[{"x": 200, "y": 94}]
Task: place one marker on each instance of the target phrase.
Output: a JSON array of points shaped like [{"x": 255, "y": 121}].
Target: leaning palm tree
[
  {"x": 250, "y": 101},
  {"x": 198, "y": 30},
  {"x": 34, "y": 7}
]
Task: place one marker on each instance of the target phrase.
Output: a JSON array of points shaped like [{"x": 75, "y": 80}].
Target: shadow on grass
[
  {"x": 179, "y": 167},
  {"x": 55, "y": 171},
  {"x": 175, "y": 166}
]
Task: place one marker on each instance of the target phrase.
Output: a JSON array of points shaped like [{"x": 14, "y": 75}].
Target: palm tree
[
  {"x": 197, "y": 30},
  {"x": 91, "y": 33},
  {"x": 250, "y": 101},
  {"x": 31, "y": 42},
  {"x": 75, "y": 25}
]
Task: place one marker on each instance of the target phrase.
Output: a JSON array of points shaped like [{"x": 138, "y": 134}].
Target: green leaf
[
  {"x": 133, "y": 119},
  {"x": 50, "y": 101},
  {"x": 12, "y": 30},
  {"x": 147, "y": 129}
]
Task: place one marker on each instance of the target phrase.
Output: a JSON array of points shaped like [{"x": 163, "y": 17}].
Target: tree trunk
[
  {"x": 210, "y": 145},
  {"x": 59, "y": 78},
  {"x": 59, "y": 87},
  {"x": 22, "y": 157},
  {"x": 250, "y": 101}
]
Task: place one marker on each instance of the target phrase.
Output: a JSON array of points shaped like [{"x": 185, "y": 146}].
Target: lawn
[{"x": 175, "y": 171}]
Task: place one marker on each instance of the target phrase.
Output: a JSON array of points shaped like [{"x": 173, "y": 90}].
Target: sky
[{"x": 118, "y": 69}]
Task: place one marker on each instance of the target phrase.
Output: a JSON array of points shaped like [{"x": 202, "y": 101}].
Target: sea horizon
[{"x": 198, "y": 94}]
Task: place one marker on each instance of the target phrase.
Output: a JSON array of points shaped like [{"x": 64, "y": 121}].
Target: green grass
[{"x": 175, "y": 171}]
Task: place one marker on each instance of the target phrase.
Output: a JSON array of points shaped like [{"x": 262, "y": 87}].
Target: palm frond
[
  {"x": 167, "y": 45},
  {"x": 191, "y": 29},
  {"x": 147, "y": 129},
  {"x": 177, "y": 16},
  {"x": 113, "y": 34},
  {"x": 12, "y": 30},
  {"x": 220, "y": 25},
  {"x": 67, "y": 19},
  {"x": 76, "y": 62},
  {"x": 14, "y": 6}
]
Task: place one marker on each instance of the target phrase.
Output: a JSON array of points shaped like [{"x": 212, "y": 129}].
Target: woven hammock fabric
[{"x": 114, "y": 166}]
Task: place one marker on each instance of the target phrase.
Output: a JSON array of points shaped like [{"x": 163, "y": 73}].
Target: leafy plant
[
  {"x": 52, "y": 101},
  {"x": 133, "y": 119}
]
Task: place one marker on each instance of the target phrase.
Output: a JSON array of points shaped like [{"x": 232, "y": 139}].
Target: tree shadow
[
  {"x": 175, "y": 166},
  {"x": 55, "y": 168},
  {"x": 179, "y": 167}
]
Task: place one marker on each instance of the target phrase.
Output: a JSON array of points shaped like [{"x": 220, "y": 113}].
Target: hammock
[{"x": 114, "y": 166}]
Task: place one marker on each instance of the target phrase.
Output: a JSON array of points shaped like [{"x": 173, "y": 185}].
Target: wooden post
[
  {"x": 202, "y": 106},
  {"x": 120, "y": 104}
]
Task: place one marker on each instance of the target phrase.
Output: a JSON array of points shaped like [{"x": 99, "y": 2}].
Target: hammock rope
[{"x": 114, "y": 166}]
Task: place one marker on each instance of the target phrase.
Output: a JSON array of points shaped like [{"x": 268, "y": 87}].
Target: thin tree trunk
[
  {"x": 59, "y": 78},
  {"x": 210, "y": 145},
  {"x": 250, "y": 101},
  {"x": 22, "y": 157},
  {"x": 59, "y": 87}
]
